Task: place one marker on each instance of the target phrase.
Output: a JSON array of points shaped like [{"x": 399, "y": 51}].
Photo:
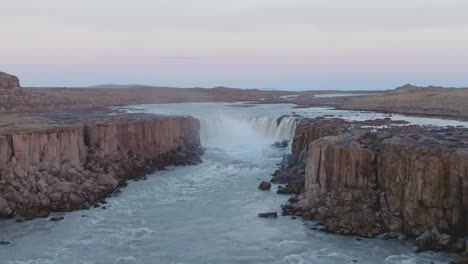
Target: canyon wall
[
  {"x": 375, "y": 177},
  {"x": 9, "y": 82},
  {"x": 71, "y": 166}
]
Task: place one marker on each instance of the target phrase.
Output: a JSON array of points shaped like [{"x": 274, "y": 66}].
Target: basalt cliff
[
  {"x": 380, "y": 178},
  {"x": 62, "y": 163}
]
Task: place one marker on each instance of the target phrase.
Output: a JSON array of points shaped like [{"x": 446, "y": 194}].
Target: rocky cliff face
[
  {"x": 68, "y": 167},
  {"x": 8, "y": 82},
  {"x": 371, "y": 178}
]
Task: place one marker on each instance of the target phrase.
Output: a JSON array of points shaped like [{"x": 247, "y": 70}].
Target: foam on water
[
  {"x": 205, "y": 213},
  {"x": 271, "y": 127}
]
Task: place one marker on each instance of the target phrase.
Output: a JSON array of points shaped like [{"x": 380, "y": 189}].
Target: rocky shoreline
[
  {"x": 380, "y": 178},
  {"x": 64, "y": 161}
]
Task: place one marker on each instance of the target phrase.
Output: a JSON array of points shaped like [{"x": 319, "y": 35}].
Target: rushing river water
[{"x": 205, "y": 213}]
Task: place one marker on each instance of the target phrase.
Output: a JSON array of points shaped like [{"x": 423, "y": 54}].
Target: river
[{"x": 206, "y": 213}]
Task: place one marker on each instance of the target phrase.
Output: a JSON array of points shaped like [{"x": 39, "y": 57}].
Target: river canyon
[{"x": 207, "y": 212}]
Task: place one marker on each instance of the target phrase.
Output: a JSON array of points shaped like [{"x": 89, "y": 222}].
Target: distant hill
[
  {"x": 119, "y": 86},
  {"x": 414, "y": 88}
]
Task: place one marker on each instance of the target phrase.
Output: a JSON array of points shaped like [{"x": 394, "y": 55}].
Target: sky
[{"x": 266, "y": 44}]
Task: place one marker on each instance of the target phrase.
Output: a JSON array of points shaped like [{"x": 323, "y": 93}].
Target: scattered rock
[
  {"x": 433, "y": 240},
  {"x": 264, "y": 186},
  {"x": 281, "y": 144},
  {"x": 294, "y": 198},
  {"x": 268, "y": 215},
  {"x": 56, "y": 218},
  {"x": 290, "y": 189},
  {"x": 460, "y": 260},
  {"x": 4, "y": 243},
  {"x": 5, "y": 210},
  {"x": 116, "y": 193},
  {"x": 391, "y": 235},
  {"x": 458, "y": 245},
  {"x": 107, "y": 180},
  {"x": 426, "y": 241}
]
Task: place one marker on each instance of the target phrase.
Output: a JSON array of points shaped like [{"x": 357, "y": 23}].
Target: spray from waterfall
[
  {"x": 224, "y": 129},
  {"x": 278, "y": 128}
]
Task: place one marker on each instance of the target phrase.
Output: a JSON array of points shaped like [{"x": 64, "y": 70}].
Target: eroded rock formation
[
  {"x": 9, "y": 82},
  {"x": 63, "y": 167},
  {"x": 376, "y": 177}
]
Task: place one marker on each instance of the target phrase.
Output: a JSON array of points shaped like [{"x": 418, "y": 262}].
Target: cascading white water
[
  {"x": 225, "y": 130},
  {"x": 279, "y": 128},
  {"x": 228, "y": 129}
]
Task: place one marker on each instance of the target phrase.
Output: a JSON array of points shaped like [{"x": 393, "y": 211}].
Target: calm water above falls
[{"x": 205, "y": 213}]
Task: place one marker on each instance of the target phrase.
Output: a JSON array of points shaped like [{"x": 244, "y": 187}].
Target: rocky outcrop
[
  {"x": 376, "y": 177},
  {"x": 64, "y": 167},
  {"x": 9, "y": 82}
]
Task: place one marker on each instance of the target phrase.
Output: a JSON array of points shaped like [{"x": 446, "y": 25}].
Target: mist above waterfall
[{"x": 229, "y": 130}]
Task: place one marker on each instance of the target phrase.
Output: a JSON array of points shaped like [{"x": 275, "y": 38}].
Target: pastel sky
[{"x": 267, "y": 44}]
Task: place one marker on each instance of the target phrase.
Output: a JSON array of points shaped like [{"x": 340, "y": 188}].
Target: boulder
[
  {"x": 264, "y": 186},
  {"x": 107, "y": 180},
  {"x": 4, "y": 243},
  {"x": 5, "y": 210},
  {"x": 281, "y": 144},
  {"x": 56, "y": 218},
  {"x": 290, "y": 189},
  {"x": 460, "y": 260},
  {"x": 268, "y": 215},
  {"x": 426, "y": 241}
]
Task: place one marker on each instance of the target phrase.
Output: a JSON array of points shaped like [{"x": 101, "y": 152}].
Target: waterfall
[
  {"x": 278, "y": 128},
  {"x": 224, "y": 129},
  {"x": 228, "y": 130}
]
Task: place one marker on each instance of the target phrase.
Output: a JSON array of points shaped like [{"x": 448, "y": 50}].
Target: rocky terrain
[
  {"x": 408, "y": 99},
  {"x": 13, "y": 99},
  {"x": 70, "y": 160},
  {"x": 381, "y": 178}
]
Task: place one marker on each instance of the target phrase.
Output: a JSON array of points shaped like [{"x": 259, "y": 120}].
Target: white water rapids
[{"x": 206, "y": 213}]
